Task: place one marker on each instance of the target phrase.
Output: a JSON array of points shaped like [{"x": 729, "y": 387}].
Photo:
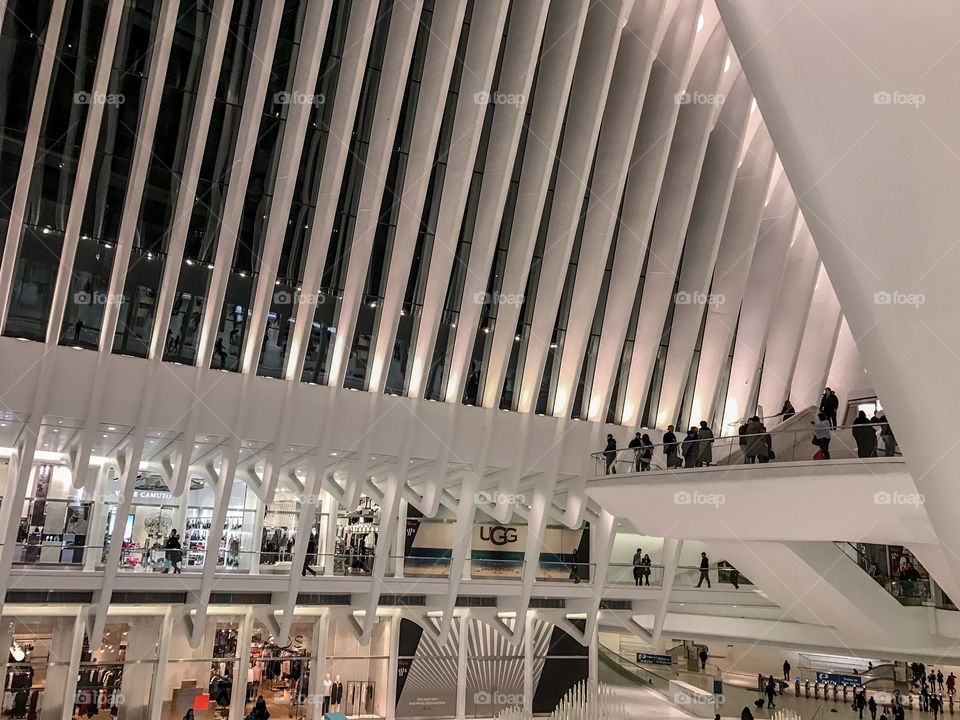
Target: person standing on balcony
[
  {"x": 704, "y": 570},
  {"x": 610, "y": 455},
  {"x": 310, "y": 557},
  {"x": 754, "y": 440},
  {"x": 886, "y": 434},
  {"x": 645, "y": 572},
  {"x": 865, "y": 435},
  {"x": 829, "y": 404},
  {"x": 689, "y": 448},
  {"x": 174, "y": 553},
  {"x": 638, "y": 567},
  {"x": 636, "y": 444},
  {"x": 646, "y": 452},
  {"x": 670, "y": 446},
  {"x": 821, "y": 435},
  {"x": 705, "y": 451}
]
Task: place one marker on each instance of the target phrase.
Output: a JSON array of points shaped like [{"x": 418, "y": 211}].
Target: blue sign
[
  {"x": 650, "y": 659},
  {"x": 840, "y": 679}
]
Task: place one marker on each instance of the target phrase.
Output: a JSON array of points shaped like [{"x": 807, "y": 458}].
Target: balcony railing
[{"x": 789, "y": 445}]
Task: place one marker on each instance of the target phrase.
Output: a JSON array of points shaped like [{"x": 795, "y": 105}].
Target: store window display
[
  {"x": 55, "y": 519},
  {"x": 358, "y": 673},
  {"x": 202, "y": 679},
  {"x": 356, "y": 539},
  {"x": 279, "y": 671}
]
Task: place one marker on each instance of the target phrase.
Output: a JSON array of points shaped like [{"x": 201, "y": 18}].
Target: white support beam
[
  {"x": 300, "y": 104},
  {"x": 142, "y": 154},
  {"x": 265, "y": 46},
  {"x": 509, "y": 99},
  {"x": 817, "y": 345},
  {"x": 196, "y": 144},
  {"x": 30, "y": 144},
  {"x": 588, "y": 96},
  {"x": 404, "y": 22},
  {"x": 524, "y": 33},
  {"x": 438, "y": 65}
]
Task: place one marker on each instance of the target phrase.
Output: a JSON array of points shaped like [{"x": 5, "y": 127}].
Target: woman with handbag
[{"x": 174, "y": 554}]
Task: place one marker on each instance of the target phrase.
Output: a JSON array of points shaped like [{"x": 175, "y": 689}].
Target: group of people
[
  {"x": 865, "y": 435},
  {"x": 695, "y": 450},
  {"x": 755, "y": 442},
  {"x": 641, "y": 568}
]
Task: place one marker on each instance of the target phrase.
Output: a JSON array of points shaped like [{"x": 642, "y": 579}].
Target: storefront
[
  {"x": 355, "y": 675},
  {"x": 356, "y": 538}
]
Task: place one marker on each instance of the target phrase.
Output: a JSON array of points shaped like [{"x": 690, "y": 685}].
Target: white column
[
  {"x": 714, "y": 193},
  {"x": 694, "y": 123},
  {"x": 400, "y": 542},
  {"x": 588, "y": 96},
  {"x": 61, "y": 684},
  {"x": 239, "y": 697},
  {"x": 817, "y": 345},
  {"x": 614, "y": 151},
  {"x": 31, "y": 140},
  {"x": 593, "y": 658},
  {"x": 732, "y": 267},
  {"x": 330, "y": 538},
  {"x": 404, "y": 22},
  {"x": 167, "y": 628},
  {"x": 149, "y": 116},
  {"x": 438, "y": 64},
  {"x": 392, "y": 666},
  {"x": 641, "y": 195},
  {"x": 464, "y": 621},
  {"x": 136, "y": 687},
  {"x": 321, "y": 629},
  {"x": 788, "y": 321},
  {"x": 763, "y": 287},
  {"x": 528, "y": 619}
]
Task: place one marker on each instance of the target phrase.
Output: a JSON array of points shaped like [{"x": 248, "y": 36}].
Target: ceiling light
[
  {"x": 726, "y": 64},
  {"x": 700, "y": 23}
]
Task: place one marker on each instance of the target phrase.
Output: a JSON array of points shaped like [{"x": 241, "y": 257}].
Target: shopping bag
[{"x": 818, "y": 455}]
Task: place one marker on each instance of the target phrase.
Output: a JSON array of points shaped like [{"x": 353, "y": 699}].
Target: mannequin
[
  {"x": 327, "y": 688},
  {"x": 337, "y": 697}
]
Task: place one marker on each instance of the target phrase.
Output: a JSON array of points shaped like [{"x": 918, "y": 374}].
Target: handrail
[{"x": 787, "y": 444}]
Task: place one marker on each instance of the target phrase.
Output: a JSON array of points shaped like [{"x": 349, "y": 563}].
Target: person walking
[
  {"x": 705, "y": 451},
  {"x": 940, "y": 680},
  {"x": 703, "y": 655},
  {"x": 951, "y": 684},
  {"x": 786, "y": 670},
  {"x": 770, "y": 690},
  {"x": 936, "y": 705},
  {"x": 310, "y": 557},
  {"x": 670, "y": 446},
  {"x": 173, "y": 552},
  {"x": 689, "y": 448},
  {"x": 865, "y": 436},
  {"x": 638, "y": 567},
  {"x": 704, "y": 570},
  {"x": 610, "y": 455},
  {"x": 646, "y": 452},
  {"x": 821, "y": 435},
  {"x": 754, "y": 440},
  {"x": 636, "y": 444},
  {"x": 260, "y": 711},
  {"x": 872, "y": 707},
  {"x": 860, "y": 702},
  {"x": 829, "y": 404},
  {"x": 886, "y": 434},
  {"x": 574, "y": 567}
]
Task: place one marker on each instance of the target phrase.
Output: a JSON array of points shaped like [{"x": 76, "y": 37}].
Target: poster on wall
[{"x": 426, "y": 673}]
